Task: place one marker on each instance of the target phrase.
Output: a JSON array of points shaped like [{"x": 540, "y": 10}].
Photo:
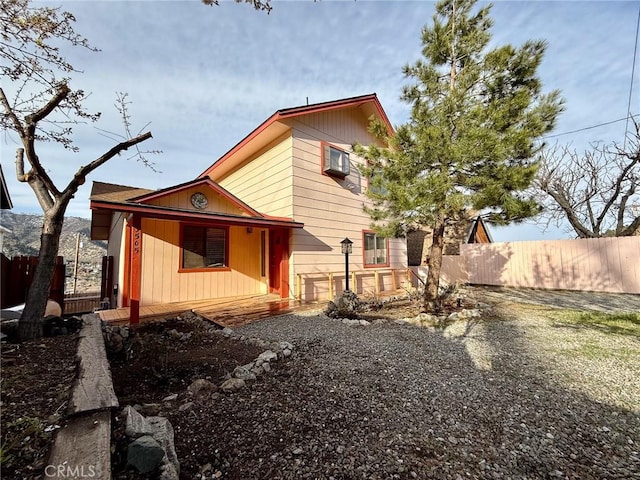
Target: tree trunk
[
  {"x": 434, "y": 264},
  {"x": 30, "y": 323}
]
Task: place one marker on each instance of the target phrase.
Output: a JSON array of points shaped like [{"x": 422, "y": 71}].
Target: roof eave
[{"x": 168, "y": 213}]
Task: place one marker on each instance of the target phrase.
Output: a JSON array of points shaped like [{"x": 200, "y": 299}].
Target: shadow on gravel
[
  {"x": 394, "y": 401},
  {"x": 551, "y": 431}
]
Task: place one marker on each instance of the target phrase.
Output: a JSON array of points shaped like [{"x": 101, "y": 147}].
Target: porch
[{"x": 227, "y": 312}]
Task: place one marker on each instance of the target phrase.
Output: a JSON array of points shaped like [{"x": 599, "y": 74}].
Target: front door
[{"x": 279, "y": 262}]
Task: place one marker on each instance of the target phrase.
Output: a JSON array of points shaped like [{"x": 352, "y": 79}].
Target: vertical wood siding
[
  {"x": 162, "y": 283},
  {"x": 597, "y": 264}
]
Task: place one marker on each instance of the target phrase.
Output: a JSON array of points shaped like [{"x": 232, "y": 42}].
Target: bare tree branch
[{"x": 592, "y": 191}]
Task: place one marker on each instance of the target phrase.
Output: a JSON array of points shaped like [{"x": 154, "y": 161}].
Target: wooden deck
[{"x": 226, "y": 312}]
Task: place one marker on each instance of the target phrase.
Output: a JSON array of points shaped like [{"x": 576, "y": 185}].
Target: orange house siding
[
  {"x": 332, "y": 208},
  {"x": 162, "y": 282}
]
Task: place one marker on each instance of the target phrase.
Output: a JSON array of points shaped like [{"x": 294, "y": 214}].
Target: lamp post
[{"x": 347, "y": 248}]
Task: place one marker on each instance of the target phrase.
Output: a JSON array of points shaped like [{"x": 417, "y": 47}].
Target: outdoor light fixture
[{"x": 347, "y": 248}]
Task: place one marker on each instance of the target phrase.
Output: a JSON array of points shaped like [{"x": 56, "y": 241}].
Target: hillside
[{"x": 24, "y": 239}]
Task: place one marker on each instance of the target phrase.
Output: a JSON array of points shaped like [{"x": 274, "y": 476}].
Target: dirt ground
[
  {"x": 36, "y": 381},
  {"x": 211, "y": 435},
  {"x": 164, "y": 362}
]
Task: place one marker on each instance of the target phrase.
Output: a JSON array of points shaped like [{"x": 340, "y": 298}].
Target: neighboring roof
[
  {"x": 107, "y": 198},
  {"x": 5, "y": 199},
  {"x": 479, "y": 232},
  {"x": 273, "y": 127},
  {"x": 110, "y": 192}
]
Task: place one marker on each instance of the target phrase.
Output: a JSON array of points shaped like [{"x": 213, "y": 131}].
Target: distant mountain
[{"x": 24, "y": 237}]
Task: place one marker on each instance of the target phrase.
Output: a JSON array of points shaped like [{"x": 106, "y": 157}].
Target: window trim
[
  {"x": 382, "y": 190},
  {"x": 329, "y": 172},
  {"x": 364, "y": 255},
  {"x": 226, "y": 268}
]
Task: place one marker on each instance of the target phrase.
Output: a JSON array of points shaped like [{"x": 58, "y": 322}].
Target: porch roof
[{"x": 108, "y": 198}]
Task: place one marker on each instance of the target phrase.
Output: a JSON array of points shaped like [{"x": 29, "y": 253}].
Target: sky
[{"x": 201, "y": 78}]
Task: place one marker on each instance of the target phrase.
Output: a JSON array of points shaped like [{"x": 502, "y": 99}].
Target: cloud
[{"x": 205, "y": 77}]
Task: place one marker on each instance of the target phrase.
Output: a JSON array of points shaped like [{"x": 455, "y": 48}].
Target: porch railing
[{"x": 317, "y": 286}]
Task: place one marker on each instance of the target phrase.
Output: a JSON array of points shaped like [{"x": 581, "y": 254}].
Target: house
[
  {"x": 472, "y": 229},
  {"x": 479, "y": 232},
  {"x": 266, "y": 218}
]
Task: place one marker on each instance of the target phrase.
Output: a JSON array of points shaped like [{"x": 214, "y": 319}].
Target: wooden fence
[
  {"x": 85, "y": 302},
  {"x": 598, "y": 264},
  {"x": 17, "y": 275}
]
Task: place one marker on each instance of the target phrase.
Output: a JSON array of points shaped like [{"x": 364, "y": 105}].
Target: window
[
  {"x": 376, "y": 250},
  {"x": 204, "y": 247},
  {"x": 376, "y": 184},
  {"x": 334, "y": 161}
]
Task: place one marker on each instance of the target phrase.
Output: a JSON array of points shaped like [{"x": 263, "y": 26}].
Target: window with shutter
[{"x": 204, "y": 247}]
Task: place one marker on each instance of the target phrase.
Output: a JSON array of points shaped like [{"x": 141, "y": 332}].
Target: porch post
[{"x": 136, "y": 268}]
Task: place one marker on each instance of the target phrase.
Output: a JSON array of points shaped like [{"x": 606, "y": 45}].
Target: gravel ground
[{"x": 485, "y": 399}]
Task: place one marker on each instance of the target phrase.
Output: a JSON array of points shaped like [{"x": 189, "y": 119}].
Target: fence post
[
  {"x": 299, "y": 286},
  {"x": 353, "y": 282},
  {"x": 331, "y": 286},
  {"x": 376, "y": 277}
]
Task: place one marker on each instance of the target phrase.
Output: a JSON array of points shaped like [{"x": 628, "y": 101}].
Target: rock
[
  {"x": 135, "y": 424},
  {"x": 453, "y": 317},
  {"x": 285, "y": 346},
  {"x": 286, "y": 353},
  {"x": 364, "y": 323},
  {"x": 145, "y": 454},
  {"x": 243, "y": 374},
  {"x": 266, "y": 367},
  {"x": 351, "y": 322},
  {"x": 186, "y": 406},
  {"x": 170, "y": 398},
  {"x": 227, "y": 332},
  {"x": 472, "y": 313},
  {"x": 268, "y": 356},
  {"x": 201, "y": 386},
  {"x": 53, "y": 308},
  {"x": 345, "y": 305},
  {"x": 297, "y": 451},
  {"x": 233, "y": 385},
  {"x": 163, "y": 434},
  {"x": 259, "y": 369}
]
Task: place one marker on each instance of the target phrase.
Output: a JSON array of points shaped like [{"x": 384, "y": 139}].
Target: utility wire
[
  {"x": 592, "y": 126},
  {"x": 633, "y": 69}
]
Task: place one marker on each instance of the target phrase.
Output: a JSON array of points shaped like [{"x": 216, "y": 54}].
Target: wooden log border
[{"x": 83, "y": 447}]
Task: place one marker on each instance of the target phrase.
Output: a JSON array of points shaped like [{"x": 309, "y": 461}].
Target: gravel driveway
[{"x": 490, "y": 399}]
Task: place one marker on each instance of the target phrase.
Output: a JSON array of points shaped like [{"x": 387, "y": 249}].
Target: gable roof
[
  {"x": 274, "y": 126},
  {"x": 479, "y": 232},
  {"x": 107, "y": 198},
  {"x": 198, "y": 182}
]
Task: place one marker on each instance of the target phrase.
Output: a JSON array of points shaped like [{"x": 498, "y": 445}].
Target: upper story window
[
  {"x": 376, "y": 184},
  {"x": 334, "y": 161},
  {"x": 376, "y": 250},
  {"x": 204, "y": 247}
]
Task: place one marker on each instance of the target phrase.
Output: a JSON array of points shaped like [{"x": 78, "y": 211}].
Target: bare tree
[
  {"x": 596, "y": 191},
  {"x": 257, "y": 4},
  {"x": 39, "y": 105}
]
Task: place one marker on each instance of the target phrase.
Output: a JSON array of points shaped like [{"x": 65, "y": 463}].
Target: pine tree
[{"x": 477, "y": 115}]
